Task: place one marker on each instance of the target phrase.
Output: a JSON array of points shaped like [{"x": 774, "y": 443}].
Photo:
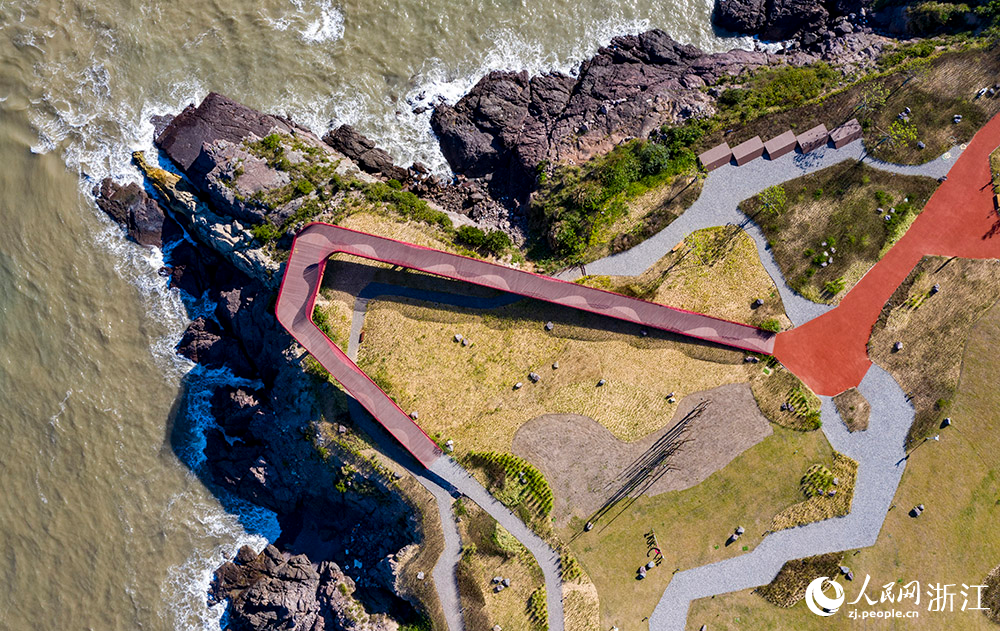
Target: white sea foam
[
  {"x": 315, "y": 23},
  {"x": 187, "y": 583}
]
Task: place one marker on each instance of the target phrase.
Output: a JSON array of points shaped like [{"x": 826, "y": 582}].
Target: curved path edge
[{"x": 718, "y": 205}]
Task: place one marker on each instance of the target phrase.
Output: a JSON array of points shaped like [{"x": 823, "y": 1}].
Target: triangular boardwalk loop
[{"x": 316, "y": 242}]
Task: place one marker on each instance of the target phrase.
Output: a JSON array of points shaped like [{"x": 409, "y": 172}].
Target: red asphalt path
[
  {"x": 316, "y": 242},
  {"x": 830, "y": 352}
]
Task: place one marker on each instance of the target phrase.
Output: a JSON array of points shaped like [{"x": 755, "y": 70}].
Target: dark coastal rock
[
  {"x": 510, "y": 122},
  {"x": 740, "y": 16},
  {"x": 363, "y": 151},
  {"x": 785, "y": 19},
  {"x": 217, "y": 118},
  {"x": 231, "y": 176},
  {"x": 204, "y": 342},
  {"x": 131, "y": 207},
  {"x": 246, "y": 311},
  {"x": 235, "y": 409},
  {"x": 273, "y": 591},
  {"x": 246, "y": 468}
]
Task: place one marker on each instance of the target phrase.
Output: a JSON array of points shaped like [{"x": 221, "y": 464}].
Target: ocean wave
[
  {"x": 232, "y": 527},
  {"x": 317, "y": 23}
]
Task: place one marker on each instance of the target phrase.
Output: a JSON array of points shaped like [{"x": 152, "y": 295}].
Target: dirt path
[
  {"x": 830, "y": 352},
  {"x": 582, "y": 459}
]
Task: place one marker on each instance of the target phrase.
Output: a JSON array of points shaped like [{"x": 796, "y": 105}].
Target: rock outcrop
[
  {"x": 363, "y": 151},
  {"x": 273, "y": 591},
  {"x": 133, "y": 209},
  {"x": 509, "y": 123}
]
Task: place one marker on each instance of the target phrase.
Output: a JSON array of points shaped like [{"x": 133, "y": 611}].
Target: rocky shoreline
[
  {"x": 345, "y": 530},
  {"x": 239, "y": 191}
]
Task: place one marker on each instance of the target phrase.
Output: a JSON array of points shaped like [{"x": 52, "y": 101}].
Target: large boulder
[
  {"x": 785, "y": 19},
  {"x": 217, "y": 118},
  {"x": 205, "y": 342},
  {"x": 235, "y": 409},
  {"x": 363, "y": 151},
  {"x": 740, "y": 16},
  {"x": 789, "y": 17},
  {"x": 246, "y": 469},
  {"x": 133, "y": 209}
]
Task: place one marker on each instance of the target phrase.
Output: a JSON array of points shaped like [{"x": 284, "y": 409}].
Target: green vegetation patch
[
  {"x": 829, "y": 230},
  {"x": 576, "y": 206},
  {"x": 515, "y": 482}
]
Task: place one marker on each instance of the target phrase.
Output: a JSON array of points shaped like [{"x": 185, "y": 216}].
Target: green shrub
[
  {"x": 654, "y": 158},
  {"x": 835, "y": 286},
  {"x": 303, "y": 187},
  {"x": 538, "y": 610},
  {"x": 272, "y": 142},
  {"x": 266, "y": 232},
  {"x": 771, "y": 324},
  {"x": 494, "y": 242},
  {"x": 774, "y": 199}
]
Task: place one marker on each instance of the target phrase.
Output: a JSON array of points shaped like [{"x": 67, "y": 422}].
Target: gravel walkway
[
  {"x": 718, "y": 204},
  {"x": 879, "y": 450},
  {"x": 881, "y": 458}
]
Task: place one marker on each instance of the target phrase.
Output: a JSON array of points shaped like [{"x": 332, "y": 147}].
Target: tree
[
  {"x": 902, "y": 131},
  {"x": 873, "y": 97},
  {"x": 773, "y": 199}
]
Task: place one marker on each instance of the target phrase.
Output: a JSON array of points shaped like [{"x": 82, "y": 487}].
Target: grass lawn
[
  {"x": 933, "y": 328},
  {"x": 467, "y": 394},
  {"x": 692, "y": 526},
  {"x": 953, "y": 541},
  {"x": 715, "y": 271},
  {"x": 489, "y": 551},
  {"x": 829, "y": 232}
]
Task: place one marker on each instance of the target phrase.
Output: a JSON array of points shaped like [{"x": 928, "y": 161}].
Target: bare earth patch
[
  {"x": 853, "y": 409},
  {"x": 581, "y": 459}
]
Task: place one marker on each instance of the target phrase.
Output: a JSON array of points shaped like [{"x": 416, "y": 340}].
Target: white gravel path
[
  {"x": 880, "y": 455},
  {"x": 718, "y": 203},
  {"x": 879, "y": 450}
]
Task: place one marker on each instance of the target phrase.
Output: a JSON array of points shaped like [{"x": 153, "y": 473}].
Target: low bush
[{"x": 494, "y": 242}]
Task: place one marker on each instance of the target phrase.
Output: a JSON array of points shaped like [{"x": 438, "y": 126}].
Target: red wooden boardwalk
[
  {"x": 317, "y": 242},
  {"x": 830, "y": 353}
]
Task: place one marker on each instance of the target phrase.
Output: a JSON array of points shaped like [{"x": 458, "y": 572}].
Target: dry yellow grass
[
  {"x": 467, "y": 393},
  {"x": 853, "y": 409},
  {"x": 408, "y": 231},
  {"x": 782, "y": 387},
  {"x": 818, "y": 508},
  {"x": 717, "y": 271},
  {"x": 933, "y": 329},
  {"x": 581, "y": 607}
]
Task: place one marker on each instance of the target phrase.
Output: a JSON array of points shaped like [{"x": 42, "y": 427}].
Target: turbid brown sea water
[{"x": 104, "y": 523}]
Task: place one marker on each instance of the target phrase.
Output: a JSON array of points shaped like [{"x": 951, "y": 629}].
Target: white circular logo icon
[{"x": 821, "y": 604}]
